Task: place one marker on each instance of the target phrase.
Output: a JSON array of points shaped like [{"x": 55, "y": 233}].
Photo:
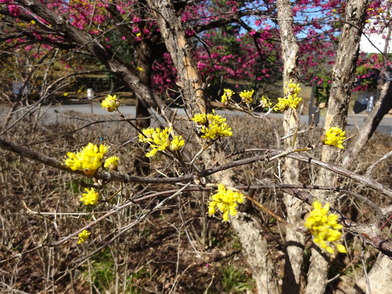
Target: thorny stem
[
  {"x": 130, "y": 122},
  {"x": 285, "y": 153},
  {"x": 125, "y": 178}
]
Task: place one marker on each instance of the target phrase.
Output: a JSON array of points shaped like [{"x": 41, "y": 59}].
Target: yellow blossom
[
  {"x": 265, "y": 102},
  {"x": 292, "y": 89},
  {"x": 227, "y": 94},
  {"x": 285, "y": 103},
  {"x": 65, "y": 94},
  {"x": 83, "y": 236},
  {"x": 325, "y": 228},
  {"x": 291, "y": 99},
  {"x": 246, "y": 96},
  {"x": 91, "y": 197},
  {"x": 335, "y": 137},
  {"x": 88, "y": 160},
  {"x": 111, "y": 163},
  {"x": 159, "y": 140},
  {"x": 176, "y": 143},
  {"x": 139, "y": 68},
  {"x": 226, "y": 201},
  {"x": 110, "y": 103},
  {"x": 212, "y": 125}
]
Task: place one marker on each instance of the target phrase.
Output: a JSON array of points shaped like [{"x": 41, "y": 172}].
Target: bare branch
[{"x": 344, "y": 172}]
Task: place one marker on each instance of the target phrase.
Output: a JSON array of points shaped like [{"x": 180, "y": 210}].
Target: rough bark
[
  {"x": 173, "y": 34},
  {"x": 191, "y": 83},
  {"x": 256, "y": 251},
  {"x": 294, "y": 208},
  {"x": 379, "y": 279},
  {"x": 336, "y": 116},
  {"x": 343, "y": 70},
  {"x": 383, "y": 105}
]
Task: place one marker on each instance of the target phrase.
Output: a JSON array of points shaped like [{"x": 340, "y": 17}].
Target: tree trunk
[
  {"x": 336, "y": 116},
  {"x": 383, "y": 105},
  {"x": 294, "y": 208},
  {"x": 189, "y": 77},
  {"x": 246, "y": 226},
  {"x": 379, "y": 279},
  {"x": 256, "y": 250}
]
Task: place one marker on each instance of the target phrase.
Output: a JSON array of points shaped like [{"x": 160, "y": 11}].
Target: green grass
[{"x": 235, "y": 280}]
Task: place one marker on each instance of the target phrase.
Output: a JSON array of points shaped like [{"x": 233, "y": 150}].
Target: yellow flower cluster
[
  {"x": 88, "y": 160},
  {"x": 91, "y": 197},
  {"x": 246, "y": 96},
  {"x": 226, "y": 201},
  {"x": 111, "y": 163},
  {"x": 291, "y": 100},
  {"x": 212, "y": 125},
  {"x": 265, "y": 102},
  {"x": 292, "y": 89},
  {"x": 176, "y": 143},
  {"x": 110, "y": 103},
  {"x": 325, "y": 228},
  {"x": 335, "y": 137},
  {"x": 83, "y": 236},
  {"x": 159, "y": 140},
  {"x": 227, "y": 94}
]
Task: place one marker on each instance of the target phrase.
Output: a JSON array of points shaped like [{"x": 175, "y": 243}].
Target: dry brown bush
[{"x": 176, "y": 249}]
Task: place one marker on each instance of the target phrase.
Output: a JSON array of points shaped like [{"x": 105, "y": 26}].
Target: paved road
[{"x": 354, "y": 121}]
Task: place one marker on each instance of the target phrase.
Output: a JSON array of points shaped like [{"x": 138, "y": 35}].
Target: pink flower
[
  {"x": 122, "y": 11},
  {"x": 136, "y": 19},
  {"x": 14, "y": 10}
]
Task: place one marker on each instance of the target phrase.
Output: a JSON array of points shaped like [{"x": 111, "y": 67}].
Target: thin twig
[{"x": 258, "y": 204}]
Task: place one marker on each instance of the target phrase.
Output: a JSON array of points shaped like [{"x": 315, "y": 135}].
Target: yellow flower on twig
[
  {"x": 88, "y": 160},
  {"x": 325, "y": 228},
  {"x": 291, "y": 99},
  {"x": 111, "y": 163},
  {"x": 212, "y": 125},
  {"x": 176, "y": 143},
  {"x": 110, "y": 103},
  {"x": 226, "y": 201},
  {"x": 83, "y": 236},
  {"x": 159, "y": 140},
  {"x": 247, "y": 96},
  {"x": 91, "y": 197},
  {"x": 335, "y": 137},
  {"x": 265, "y": 102},
  {"x": 227, "y": 94}
]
